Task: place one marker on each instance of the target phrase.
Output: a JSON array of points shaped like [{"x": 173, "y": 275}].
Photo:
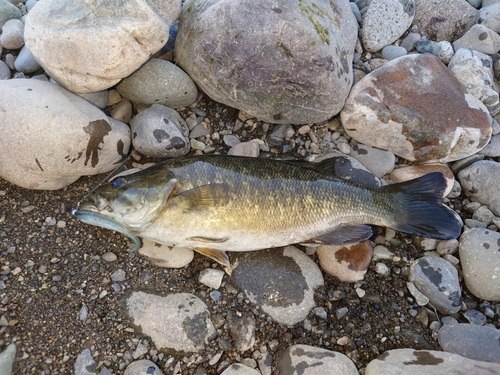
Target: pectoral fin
[
  {"x": 218, "y": 255},
  {"x": 345, "y": 234},
  {"x": 205, "y": 196}
]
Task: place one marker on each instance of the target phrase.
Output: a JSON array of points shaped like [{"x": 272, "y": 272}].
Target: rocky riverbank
[{"x": 408, "y": 96}]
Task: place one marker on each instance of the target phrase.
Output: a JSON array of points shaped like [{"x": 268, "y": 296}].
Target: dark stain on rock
[
  {"x": 39, "y": 165},
  {"x": 72, "y": 160},
  {"x": 97, "y": 130},
  {"x": 359, "y": 150},
  {"x": 486, "y": 245},
  {"x": 272, "y": 278},
  {"x": 178, "y": 143},
  {"x": 277, "y": 116},
  {"x": 301, "y": 352},
  {"x": 383, "y": 356},
  {"x": 424, "y": 358},
  {"x": 431, "y": 273},
  {"x": 161, "y": 135},
  {"x": 120, "y": 150},
  {"x": 498, "y": 244},
  {"x": 196, "y": 328},
  {"x": 482, "y": 36},
  {"x": 357, "y": 256}
]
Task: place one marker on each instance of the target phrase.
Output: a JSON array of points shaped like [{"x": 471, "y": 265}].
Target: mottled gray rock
[
  {"x": 160, "y": 131},
  {"x": 489, "y": 16},
  {"x": 250, "y": 149},
  {"x": 379, "y": 162},
  {"x": 385, "y": 21},
  {"x": 89, "y": 46},
  {"x": 480, "y": 180},
  {"x": 7, "y": 358},
  {"x": 8, "y": 11},
  {"x": 240, "y": 369},
  {"x": 427, "y": 362},
  {"x": 165, "y": 256},
  {"x": 444, "y": 20},
  {"x": 492, "y": 149},
  {"x": 98, "y": 98},
  {"x": 159, "y": 82},
  {"x": 180, "y": 322},
  {"x": 479, "y": 251},
  {"x": 475, "y": 71},
  {"x": 471, "y": 341},
  {"x": 437, "y": 279},
  {"x": 479, "y": 38},
  {"x": 242, "y": 331},
  {"x": 85, "y": 363},
  {"x": 88, "y": 142},
  {"x": 12, "y": 36},
  {"x": 414, "y": 101},
  {"x": 4, "y": 71},
  {"x": 217, "y": 47},
  {"x": 308, "y": 360},
  {"x": 142, "y": 367},
  {"x": 348, "y": 263},
  {"x": 25, "y": 62},
  {"x": 280, "y": 281}
]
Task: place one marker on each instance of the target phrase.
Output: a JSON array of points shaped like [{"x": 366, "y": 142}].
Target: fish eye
[{"x": 119, "y": 182}]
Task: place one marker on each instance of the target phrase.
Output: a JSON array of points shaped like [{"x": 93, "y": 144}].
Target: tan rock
[
  {"x": 165, "y": 256},
  {"x": 416, "y": 171},
  {"x": 347, "y": 263}
]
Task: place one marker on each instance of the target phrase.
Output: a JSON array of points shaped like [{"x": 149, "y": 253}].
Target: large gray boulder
[
  {"x": 90, "y": 45},
  {"x": 51, "y": 137},
  {"x": 283, "y": 62}
]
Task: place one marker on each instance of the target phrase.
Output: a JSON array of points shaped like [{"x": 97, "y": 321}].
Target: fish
[{"x": 216, "y": 204}]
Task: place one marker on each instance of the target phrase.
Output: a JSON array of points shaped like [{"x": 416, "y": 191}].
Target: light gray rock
[
  {"x": 89, "y": 46},
  {"x": 427, "y": 362},
  {"x": 7, "y": 358},
  {"x": 159, "y": 82},
  {"x": 479, "y": 38},
  {"x": 455, "y": 18},
  {"x": 4, "y": 71},
  {"x": 99, "y": 98},
  {"x": 400, "y": 100},
  {"x": 179, "y": 322},
  {"x": 280, "y": 281},
  {"x": 385, "y": 21},
  {"x": 165, "y": 256},
  {"x": 85, "y": 363},
  {"x": 8, "y": 11},
  {"x": 160, "y": 131},
  {"x": 437, "y": 279},
  {"x": 479, "y": 251},
  {"x": 393, "y": 52},
  {"x": 471, "y": 341},
  {"x": 88, "y": 142},
  {"x": 379, "y": 162},
  {"x": 240, "y": 369},
  {"x": 211, "y": 278},
  {"x": 142, "y": 367},
  {"x": 480, "y": 180},
  {"x": 489, "y": 16},
  {"x": 25, "y": 62},
  {"x": 279, "y": 84},
  {"x": 492, "y": 149},
  {"x": 12, "y": 36},
  {"x": 309, "y": 360},
  {"x": 250, "y": 149},
  {"x": 475, "y": 71}
]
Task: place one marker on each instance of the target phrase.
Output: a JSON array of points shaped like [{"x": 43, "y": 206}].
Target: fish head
[{"x": 133, "y": 201}]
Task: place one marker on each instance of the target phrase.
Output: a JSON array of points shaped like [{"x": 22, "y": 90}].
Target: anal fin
[
  {"x": 345, "y": 234},
  {"x": 218, "y": 255}
]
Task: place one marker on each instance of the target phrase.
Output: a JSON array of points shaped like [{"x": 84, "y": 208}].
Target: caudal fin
[{"x": 419, "y": 209}]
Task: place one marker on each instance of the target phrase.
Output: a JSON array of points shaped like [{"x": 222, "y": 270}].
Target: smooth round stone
[
  {"x": 8, "y": 356},
  {"x": 165, "y": 256},
  {"x": 25, "y": 62},
  {"x": 309, "y": 360},
  {"x": 231, "y": 140},
  {"x": 492, "y": 149},
  {"x": 475, "y": 317},
  {"x": 489, "y": 15},
  {"x": 109, "y": 257},
  {"x": 99, "y": 98},
  {"x": 240, "y": 369},
  {"x": 197, "y": 131},
  {"x": 118, "y": 275},
  {"x": 12, "y": 36},
  {"x": 480, "y": 38},
  {"x": 122, "y": 111},
  {"x": 8, "y": 11},
  {"x": 249, "y": 149},
  {"x": 4, "y": 71},
  {"x": 348, "y": 263},
  {"x": 471, "y": 341},
  {"x": 142, "y": 367},
  {"x": 393, "y": 52},
  {"x": 438, "y": 280},
  {"x": 159, "y": 82},
  {"x": 379, "y": 162},
  {"x": 479, "y": 251}
]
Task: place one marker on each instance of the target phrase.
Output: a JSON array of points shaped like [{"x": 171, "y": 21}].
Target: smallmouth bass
[{"x": 214, "y": 203}]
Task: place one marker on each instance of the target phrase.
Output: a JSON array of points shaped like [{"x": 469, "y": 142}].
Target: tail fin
[{"x": 419, "y": 209}]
